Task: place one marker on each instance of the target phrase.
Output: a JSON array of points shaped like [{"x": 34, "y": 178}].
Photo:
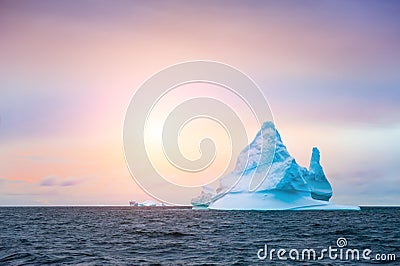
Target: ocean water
[{"x": 173, "y": 236}]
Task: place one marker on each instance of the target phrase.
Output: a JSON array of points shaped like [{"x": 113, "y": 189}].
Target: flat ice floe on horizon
[{"x": 284, "y": 185}]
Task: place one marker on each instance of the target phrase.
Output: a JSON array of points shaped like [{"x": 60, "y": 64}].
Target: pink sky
[{"x": 68, "y": 70}]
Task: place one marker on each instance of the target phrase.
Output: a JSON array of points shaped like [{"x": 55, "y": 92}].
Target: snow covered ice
[{"x": 267, "y": 177}]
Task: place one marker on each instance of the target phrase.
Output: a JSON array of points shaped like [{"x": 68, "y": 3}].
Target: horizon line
[{"x": 114, "y": 205}]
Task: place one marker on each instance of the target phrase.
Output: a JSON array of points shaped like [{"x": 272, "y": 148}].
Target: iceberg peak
[
  {"x": 319, "y": 185},
  {"x": 315, "y": 157}
]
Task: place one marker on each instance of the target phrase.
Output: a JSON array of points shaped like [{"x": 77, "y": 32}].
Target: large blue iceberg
[{"x": 284, "y": 185}]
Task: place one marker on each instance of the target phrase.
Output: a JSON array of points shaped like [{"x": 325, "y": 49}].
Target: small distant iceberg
[
  {"x": 146, "y": 203},
  {"x": 284, "y": 184}
]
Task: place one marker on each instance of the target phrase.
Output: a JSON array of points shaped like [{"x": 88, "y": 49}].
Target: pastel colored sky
[{"x": 68, "y": 69}]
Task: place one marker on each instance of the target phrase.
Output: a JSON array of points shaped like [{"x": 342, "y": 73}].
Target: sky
[{"x": 329, "y": 69}]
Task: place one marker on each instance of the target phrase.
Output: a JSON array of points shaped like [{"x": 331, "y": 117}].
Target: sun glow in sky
[
  {"x": 194, "y": 131},
  {"x": 329, "y": 69}
]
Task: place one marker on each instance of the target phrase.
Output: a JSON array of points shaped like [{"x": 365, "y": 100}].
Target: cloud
[
  {"x": 54, "y": 181},
  {"x": 9, "y": 181},
  {"x": 368, "y": 182},
  {"x": 48, "y": 181},
  {"x": 69, "y": 183}
]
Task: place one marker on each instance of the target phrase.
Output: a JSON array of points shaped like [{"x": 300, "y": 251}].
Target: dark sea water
[{"x": 136, "y": 236}]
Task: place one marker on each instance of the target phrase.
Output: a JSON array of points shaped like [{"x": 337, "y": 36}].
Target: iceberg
[
  {"x": 203, "y": 200},
  {"x": 281, "y": 183},
  {"x": 146, "y": 203}
]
